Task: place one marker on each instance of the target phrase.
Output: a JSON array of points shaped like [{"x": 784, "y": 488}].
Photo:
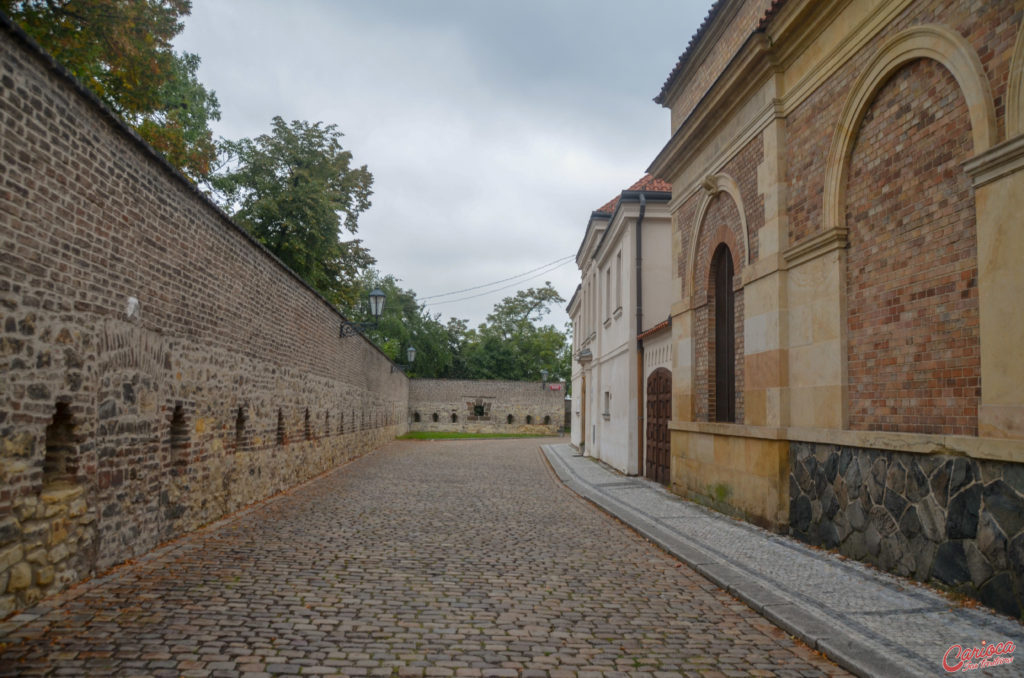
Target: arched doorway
[
  {"x": 659, "y": 410},
  {"x": 722, "y": 402}
]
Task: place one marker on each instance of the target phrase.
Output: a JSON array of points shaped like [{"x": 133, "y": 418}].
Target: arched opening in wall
[
  {"x": 282, "y": 438},
  {"x": 722, "y": 340},
  {"x": 455, "y": 418},
  {"x": 327, "y": 423},
  {"x": 435, "y": 417},
  {"x": 416, "y": 417},
  {"x": 241, "y": 439},
  {"x": 307, "y": 429},
  {"x": 912, "y": 306},
  {"x": 529, "y": 419},
  {"x": 179, "y": 438},
  {"x": 510, "y": 419},
  {"x": 547, "y": 419},
  {"x": 479, "y": 410},
  {"x": 60, "y": 462}
]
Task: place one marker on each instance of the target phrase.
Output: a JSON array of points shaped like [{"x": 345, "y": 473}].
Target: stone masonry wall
[
  {"x": 120, "y": 430},
  {"x": 954, "y": 520},
  {"x": 486, "y": 406}
]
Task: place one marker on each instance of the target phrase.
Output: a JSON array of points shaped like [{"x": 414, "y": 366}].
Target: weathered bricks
[{"x": 119, "y": 432}]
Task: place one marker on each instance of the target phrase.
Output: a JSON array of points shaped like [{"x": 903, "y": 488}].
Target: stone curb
[{"x": 858, "y": 658}]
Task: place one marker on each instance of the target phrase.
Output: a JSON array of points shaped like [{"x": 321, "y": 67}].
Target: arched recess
[
  {"x": 713, "y": 185},
  {"x": 1015, "y": 89},
  {"x": 930, "y": 41}
]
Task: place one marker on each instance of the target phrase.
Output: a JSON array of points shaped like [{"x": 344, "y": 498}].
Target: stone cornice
[
  {"x": 996, "y": 163},
  {"x": 700, "y": 52},
  {"x": 996, "y": 449},
  {"x": 744, "y": 75},
  {"x": 820, "y": 245}
]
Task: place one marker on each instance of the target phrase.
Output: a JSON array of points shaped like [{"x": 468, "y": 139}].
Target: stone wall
[
  {"x": 160, "y": 369},
  {"x": 486, "y": 406},
  {"x": 954, "y": 520}
]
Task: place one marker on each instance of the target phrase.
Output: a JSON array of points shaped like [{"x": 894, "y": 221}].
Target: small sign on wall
[{"x": 555, "y": 387}]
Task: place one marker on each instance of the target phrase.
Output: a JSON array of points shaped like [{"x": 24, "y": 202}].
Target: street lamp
[
  {"x": 410, "y": 355},
  {"x": 543, "y": 379},
  {"x": 351, "y": 329}
]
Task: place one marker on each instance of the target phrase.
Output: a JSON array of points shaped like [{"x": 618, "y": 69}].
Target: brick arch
[
  {"x": 713, "y": 186},
  {"x": 1015, "y": 89},
  {"x": 913, "y": 354},
  {"x": 720, "y": 223},
  {"x": 930, "y": 41}
]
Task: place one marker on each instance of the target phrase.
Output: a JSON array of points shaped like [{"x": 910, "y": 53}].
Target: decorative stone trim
[
  {"x": 818, "y": 246},
  {"x": 994, "y": 449},
  {"x": 996, "y": 163},
  {"x": 931, "y": 41}
]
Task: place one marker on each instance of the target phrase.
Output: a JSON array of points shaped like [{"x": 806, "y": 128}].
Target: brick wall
[
  {"x": 118, "y": 432},
  {"x": 486, "y": 406},
  {"x": 990, "y": 28},
  {"x": 721, "y": 225},
  {"x": 912, "y": 280}
]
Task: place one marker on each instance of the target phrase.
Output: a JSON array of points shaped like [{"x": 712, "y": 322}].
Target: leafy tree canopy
[
  {"x": 294, "y": 189},
  {"x": 512, "y": 344},
  {"x": 121, "y": 50},
  {"x": 404, "y": 323}
]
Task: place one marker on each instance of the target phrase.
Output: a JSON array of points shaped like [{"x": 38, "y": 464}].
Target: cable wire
[
  {"x": 562, "y": 261},
  {"x": 484, "y": 294}
]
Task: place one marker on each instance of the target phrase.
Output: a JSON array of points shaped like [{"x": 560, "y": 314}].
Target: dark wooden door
[
  {"x": 659, "y": 411},
  {"x": 725, "y": 338}
]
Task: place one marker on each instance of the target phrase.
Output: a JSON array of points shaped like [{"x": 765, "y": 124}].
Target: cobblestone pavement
[
  {"x": 423, "y": 559},
  {"x": 872, "y": 622}
]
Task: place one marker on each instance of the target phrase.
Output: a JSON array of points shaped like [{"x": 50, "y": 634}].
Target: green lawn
[{"x": 448, "y": 435}]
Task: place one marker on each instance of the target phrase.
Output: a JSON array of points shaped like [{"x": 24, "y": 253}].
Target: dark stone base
[{"x": 955, "y": 521}]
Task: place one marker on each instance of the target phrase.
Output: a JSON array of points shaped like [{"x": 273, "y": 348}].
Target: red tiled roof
[
  {"x": 685, "y": 56},
  {"x": 645, "y": 183}
]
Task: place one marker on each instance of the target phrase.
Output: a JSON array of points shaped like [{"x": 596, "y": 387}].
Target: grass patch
[{"x": 455, "y": 435}]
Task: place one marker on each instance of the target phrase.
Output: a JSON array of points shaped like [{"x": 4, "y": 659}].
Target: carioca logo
[{"x": 958, "y": 657}]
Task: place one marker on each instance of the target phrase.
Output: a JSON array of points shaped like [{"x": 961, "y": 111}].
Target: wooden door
[{"x": 659, "y": 410}]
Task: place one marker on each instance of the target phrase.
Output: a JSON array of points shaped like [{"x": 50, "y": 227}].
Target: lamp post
[
  {"x": 543, "y": 379},
  {"x": 410, "y": 355},
  {"x": 351, "y": 329}
]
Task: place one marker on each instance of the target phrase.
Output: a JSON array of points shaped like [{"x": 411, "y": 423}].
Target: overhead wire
[
  {"x": 561, "y": 261},
  {"x": 499, "y": 289}
]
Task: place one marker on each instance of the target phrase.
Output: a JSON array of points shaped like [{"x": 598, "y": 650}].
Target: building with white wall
[{"x": 621, "y": 335}]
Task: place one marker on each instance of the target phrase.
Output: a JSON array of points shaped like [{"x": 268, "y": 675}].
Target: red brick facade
[
  {"x": 118, "y": 432},
  {"x": 912, "y": 314}
]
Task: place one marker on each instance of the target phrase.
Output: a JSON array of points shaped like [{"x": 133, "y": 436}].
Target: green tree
[
  {"x": 512, "y": 344},
  {"x": 404, "y": 323},
  {"x": 121, "y": 50},
  {"x": 295, "y": 189}
]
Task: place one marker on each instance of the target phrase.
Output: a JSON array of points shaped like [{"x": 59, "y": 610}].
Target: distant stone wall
[
  {"x": 955, "y": 520},
  {"x": 486, "y": 406},
  {"x": 123, "y": 426}
]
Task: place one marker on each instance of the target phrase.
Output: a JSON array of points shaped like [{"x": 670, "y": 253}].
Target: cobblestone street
[{"x": 422, "y": 559}]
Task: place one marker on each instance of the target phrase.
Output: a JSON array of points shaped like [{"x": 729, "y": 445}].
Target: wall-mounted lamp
[
  {"x": 351, "y": 329},
  {"x": 410, "y": 354}
]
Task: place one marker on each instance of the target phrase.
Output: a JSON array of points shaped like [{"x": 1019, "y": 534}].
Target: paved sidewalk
[{"x": 870, "y": 622}]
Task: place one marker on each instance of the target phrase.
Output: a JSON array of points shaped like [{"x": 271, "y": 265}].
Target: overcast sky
[{"x": 492, "y": 129}]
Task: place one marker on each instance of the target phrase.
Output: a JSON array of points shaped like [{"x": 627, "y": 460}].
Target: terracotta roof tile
[
  {"x": 645, "y": 183},
  {"x": 761, "y": 25},
  {"x": 690, "y": 46}
]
